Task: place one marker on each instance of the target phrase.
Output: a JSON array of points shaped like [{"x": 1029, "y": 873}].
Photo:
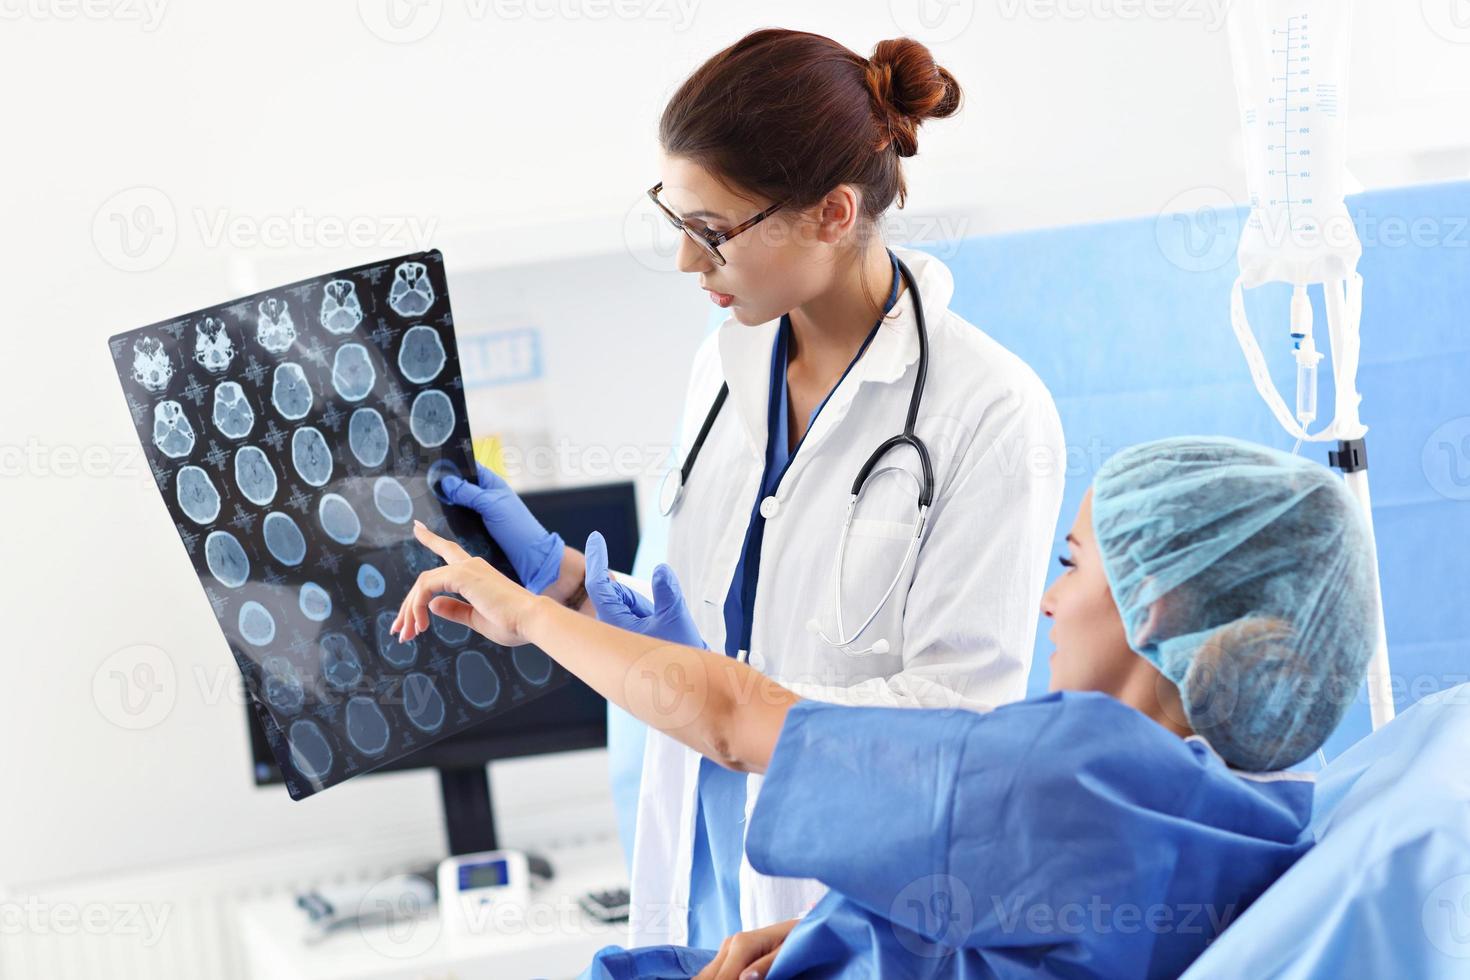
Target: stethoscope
[{"x": 672, "y": 489}]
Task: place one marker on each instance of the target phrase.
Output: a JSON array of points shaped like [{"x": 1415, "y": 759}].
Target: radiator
[{"x": 178, "y": 923}]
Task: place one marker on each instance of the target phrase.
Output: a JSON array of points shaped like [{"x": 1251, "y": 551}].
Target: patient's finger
[
  {"x": 713, "y": 969},
  {"x": 452, "y": 609},
  {"x": 428, "y": 584},
  {"x": 761, "y": 967},
  {"x": 441, "y": 546}
]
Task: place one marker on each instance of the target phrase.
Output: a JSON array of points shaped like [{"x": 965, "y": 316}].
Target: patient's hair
[{"x": 790, "y": 115}]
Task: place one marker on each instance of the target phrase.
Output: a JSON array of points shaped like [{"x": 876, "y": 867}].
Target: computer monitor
[{"x": 571, "y": 717}]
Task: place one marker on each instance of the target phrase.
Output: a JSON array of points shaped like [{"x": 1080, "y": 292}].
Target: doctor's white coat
[{"x": 961, "y": 623}]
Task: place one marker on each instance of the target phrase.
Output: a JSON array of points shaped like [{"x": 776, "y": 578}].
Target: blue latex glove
[
  {"x": 666, "y": 618},
  {"x": 534, "y": 552}
]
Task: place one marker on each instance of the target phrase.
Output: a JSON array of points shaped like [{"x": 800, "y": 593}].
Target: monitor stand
[{"x": 469, "y": 817}]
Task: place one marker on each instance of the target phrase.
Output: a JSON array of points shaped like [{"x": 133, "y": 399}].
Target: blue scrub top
[
  {"x": 714, "y": 880},
  {"x": 1067, "y": 835}
]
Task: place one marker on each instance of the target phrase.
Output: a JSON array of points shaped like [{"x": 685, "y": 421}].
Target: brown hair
[{"x": 790, "y": 115}]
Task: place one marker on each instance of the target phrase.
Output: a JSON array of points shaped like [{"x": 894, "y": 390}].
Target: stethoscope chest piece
[{"x": 670, "y": 489}]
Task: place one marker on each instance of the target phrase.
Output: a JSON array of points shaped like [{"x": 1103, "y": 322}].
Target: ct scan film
[{"x": 295, "y": 435}]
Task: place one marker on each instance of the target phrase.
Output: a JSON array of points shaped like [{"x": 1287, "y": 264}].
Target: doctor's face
[
  {"x": 1092, "y": 652},
  {"x": 770, "y": 269}
]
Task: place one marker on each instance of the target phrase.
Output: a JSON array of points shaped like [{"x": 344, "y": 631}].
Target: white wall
[{"x": 521, "y": 146}]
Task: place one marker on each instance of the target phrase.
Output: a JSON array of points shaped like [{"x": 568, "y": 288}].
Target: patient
[{"x": 1213, "y": 621}]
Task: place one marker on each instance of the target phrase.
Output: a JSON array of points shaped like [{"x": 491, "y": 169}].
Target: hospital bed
[{"x": 1386, "y": 890}]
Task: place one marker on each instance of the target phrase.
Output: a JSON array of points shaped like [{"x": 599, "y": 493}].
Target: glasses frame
[{"x": 708, "y": 240}]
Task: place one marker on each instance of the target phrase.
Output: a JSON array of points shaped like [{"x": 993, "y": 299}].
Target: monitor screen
[{"x": 572, "y": 717}]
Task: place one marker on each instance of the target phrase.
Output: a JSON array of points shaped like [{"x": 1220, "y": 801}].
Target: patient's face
[
  {"x": 770, "y": 269},
  {"x": 1092, "y": 652}
]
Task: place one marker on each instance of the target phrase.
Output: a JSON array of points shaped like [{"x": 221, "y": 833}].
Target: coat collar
[{"x": 745, "y": 352}]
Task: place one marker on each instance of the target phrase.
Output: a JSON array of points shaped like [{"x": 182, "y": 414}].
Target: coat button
[
  {"x": 770, "y": 507},
  {"x": 757, "y": 661}
]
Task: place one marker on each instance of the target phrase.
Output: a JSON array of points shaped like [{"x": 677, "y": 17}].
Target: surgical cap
[{"x": 1246, "y": 575}]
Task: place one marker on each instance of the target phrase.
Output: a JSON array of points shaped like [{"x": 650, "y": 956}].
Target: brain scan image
[
  {"x": 367, "y": 729},
  {"x": 310, "y": 751},
  {"x": 233, "y": 416},
  {"x": 338, "y": 519},
  {"x": 255, "y": 476},
  {"x": 172, "y": 433},
  {"x": 257, "y": 625},
  {"x": 311, "y": 456},
  {"x": 370, "y": 580},
  {"x": 291, "y": 392},
  {"x": 341, "y": 663},
  {"x": 476, "y": 679},
  {"x": 341, "y": 312},
  {"x": 226, "y": 559},
  {"x": 294, "y": 436},
  {"x": 421, "y": 355},
  {"x": 315, "y": 602},
  {"x": 213, "y": 349},
  {"x": 152, "y": 367},
  {"x": 273, "y": 327},
  {"x": 198, "y": 498},
  {"x": 367, "y": 437},
  {"x": 431, "y": 420},
  {"x": 422, "y": 702},
  {"x": 532, "y": 664},
  {"x": 283, "y": 539},
  {"x": 353, "y": 373},
  {"x": 392, "y": 500},
  {"x": 412, "y": 294},
  {"x": 283, "y": 687}
]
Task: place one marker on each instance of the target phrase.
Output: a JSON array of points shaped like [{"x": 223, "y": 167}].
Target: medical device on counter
[
  {"x": 396, "y": 899},
  {"x": 472, "y": 886},
  {"x": 1291, "y": 61}
]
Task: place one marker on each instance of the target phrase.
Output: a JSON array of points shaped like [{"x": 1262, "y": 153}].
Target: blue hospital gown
[{"x": 1066, "y": 835}]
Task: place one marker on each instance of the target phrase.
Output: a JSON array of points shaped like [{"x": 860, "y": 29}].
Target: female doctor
[{"x": 859, "y": 468}]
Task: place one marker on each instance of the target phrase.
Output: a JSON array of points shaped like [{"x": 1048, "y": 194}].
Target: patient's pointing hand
[{"x": 491, "y": 604}]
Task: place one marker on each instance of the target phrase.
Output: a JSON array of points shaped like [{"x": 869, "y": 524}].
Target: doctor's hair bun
[
  {"x": 788, "y": 116},
  {"x": 907, "y": 88}
]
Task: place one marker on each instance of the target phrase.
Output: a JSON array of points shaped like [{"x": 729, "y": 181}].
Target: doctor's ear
[{"x": 837, "y": 214}]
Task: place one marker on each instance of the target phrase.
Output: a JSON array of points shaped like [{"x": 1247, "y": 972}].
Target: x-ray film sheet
[{"x": 295, "y": 435}]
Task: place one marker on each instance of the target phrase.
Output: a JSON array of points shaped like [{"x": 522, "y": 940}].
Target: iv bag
[{"x": 1291, "y": 66}]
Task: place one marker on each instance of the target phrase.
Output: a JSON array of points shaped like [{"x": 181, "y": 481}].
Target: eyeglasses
[{"x": 708, "y": 240}]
